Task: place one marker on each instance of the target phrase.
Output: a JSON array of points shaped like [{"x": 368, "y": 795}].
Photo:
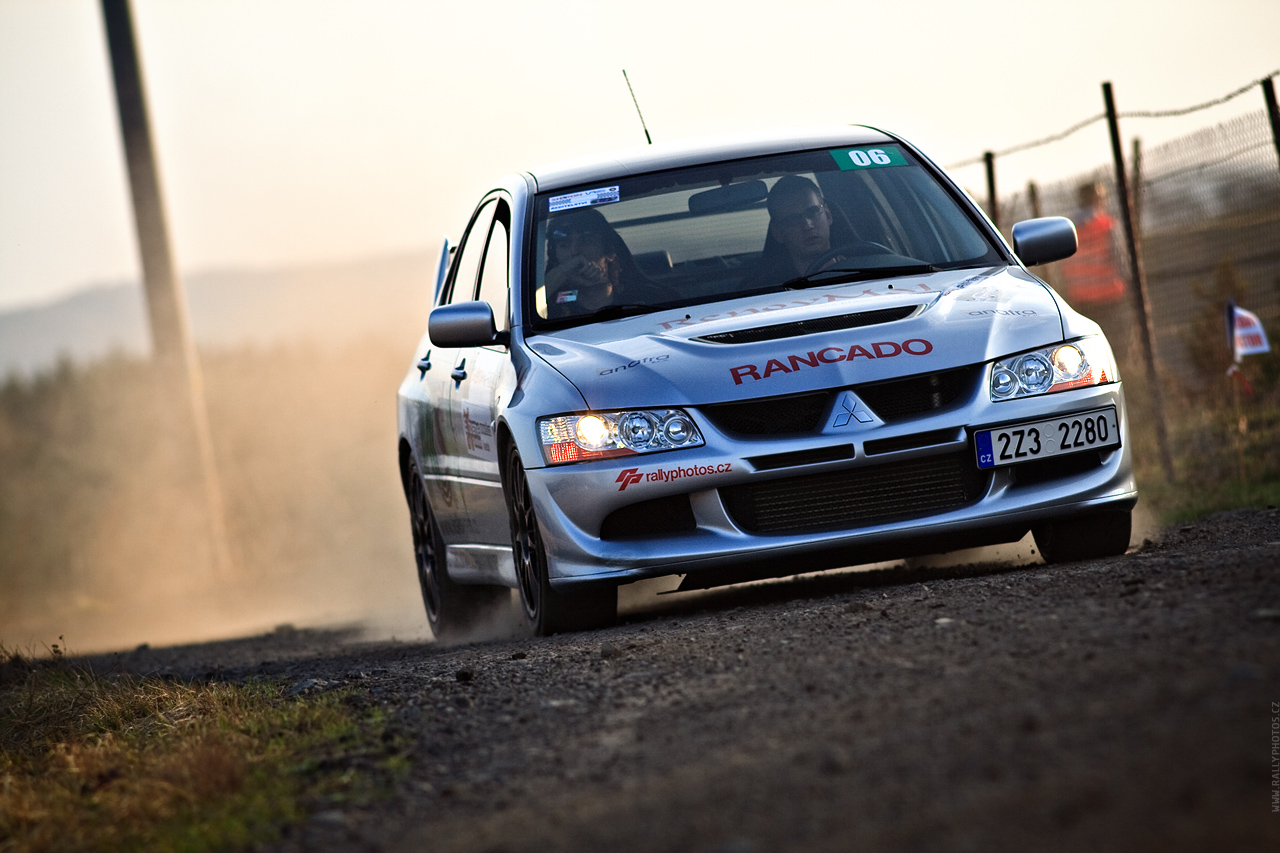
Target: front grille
[
  {"x": 772, "y": 416},
  {"x": 916, "y": 395},
  {"x": 811, "y": 327},
  {"x": 856, "y": 497}
]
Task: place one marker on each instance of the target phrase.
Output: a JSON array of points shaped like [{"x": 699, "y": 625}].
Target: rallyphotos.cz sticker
[
  {"x": 868, "y": 158},
  {"x": 585, "y": 198}
]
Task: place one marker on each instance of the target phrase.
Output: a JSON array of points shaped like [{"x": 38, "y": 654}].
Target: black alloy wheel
[
  {"x": 452, "y": 609},
  {"x": 545, "y": 610}
]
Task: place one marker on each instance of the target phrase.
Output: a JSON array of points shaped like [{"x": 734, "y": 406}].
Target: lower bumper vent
[{"x": 857, "y": 497}]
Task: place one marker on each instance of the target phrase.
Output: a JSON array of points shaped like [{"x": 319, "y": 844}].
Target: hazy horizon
[{"x": 274, "y": 153}]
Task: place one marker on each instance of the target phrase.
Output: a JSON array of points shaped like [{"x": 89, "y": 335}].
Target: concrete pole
[{"x": 174, "y": 350}]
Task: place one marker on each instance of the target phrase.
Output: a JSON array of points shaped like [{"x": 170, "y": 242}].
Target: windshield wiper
[
  {"x": 839, "y": 276},
  {"x": 608, "y": 312}
]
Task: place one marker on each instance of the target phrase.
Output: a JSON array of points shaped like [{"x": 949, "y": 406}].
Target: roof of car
[{"x": 651, "y": 158}]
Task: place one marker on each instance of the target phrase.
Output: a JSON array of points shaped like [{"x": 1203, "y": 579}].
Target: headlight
[
  {"x": 1077, "y": 364},
  {"x": 600, "y": 435}
]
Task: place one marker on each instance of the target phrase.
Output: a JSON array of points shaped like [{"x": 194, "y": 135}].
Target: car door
[
  {"x": 442, "y": 466},
  {"x": 481, "y": 378}
]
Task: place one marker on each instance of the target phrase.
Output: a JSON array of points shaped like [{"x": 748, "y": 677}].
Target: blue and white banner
[{"x": 1246, "y": 332}]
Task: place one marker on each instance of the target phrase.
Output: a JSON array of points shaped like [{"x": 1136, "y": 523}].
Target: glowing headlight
[
  {"x": 1084, "y": 362},
  {"x": 599, "y": 435}
]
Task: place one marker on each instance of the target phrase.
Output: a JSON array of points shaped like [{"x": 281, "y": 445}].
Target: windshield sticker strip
[
  {"x": 849, "y": 159},
  {"x": 585, "y": 198}
]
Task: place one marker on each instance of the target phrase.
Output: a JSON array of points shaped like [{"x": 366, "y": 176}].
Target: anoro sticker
[
  {"x": 1004, "y": 312},
  {"x": 849, "y": 159},
  {"x": 585, "y": 198},
  {"x": 652, "y": 359},
  {"x": 566, "y": 296}
]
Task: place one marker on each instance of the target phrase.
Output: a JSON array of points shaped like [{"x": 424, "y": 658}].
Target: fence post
[
  {"x": 1136, "y": 188},
  {"x": 1139, "y": 281},
  {"x": 1033, "y": 199},
  {"x": 993, "y": 210},
  {"x": 1273, "y": 112}
]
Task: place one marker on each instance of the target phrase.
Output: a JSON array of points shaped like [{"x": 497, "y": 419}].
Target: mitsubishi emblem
[{"x": 849, "y": 408}]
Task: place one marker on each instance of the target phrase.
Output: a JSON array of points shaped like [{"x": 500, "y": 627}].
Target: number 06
[{"x": 871, "y": 155}]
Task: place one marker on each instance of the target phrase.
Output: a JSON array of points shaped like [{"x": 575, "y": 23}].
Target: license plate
[{"x": 1024, "y": 442}]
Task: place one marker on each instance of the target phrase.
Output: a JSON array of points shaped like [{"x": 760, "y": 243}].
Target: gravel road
[{"x": 1121, "y": 704}]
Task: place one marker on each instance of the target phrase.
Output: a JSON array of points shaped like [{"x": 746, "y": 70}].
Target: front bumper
[{"x": 924, "y": 498}]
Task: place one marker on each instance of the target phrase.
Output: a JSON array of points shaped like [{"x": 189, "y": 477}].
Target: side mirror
[
  {"x": 1041, "y": 241},
  {"x": 464, "y": 324}
]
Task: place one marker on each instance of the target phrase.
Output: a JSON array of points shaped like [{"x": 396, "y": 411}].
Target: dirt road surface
[{"x": 1122, "y": 704}]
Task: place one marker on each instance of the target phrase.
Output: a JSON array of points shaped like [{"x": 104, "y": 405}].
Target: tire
[
  {"x": 545, "y": 610},
  {"x": 453, "y": 610},
  {"x": 1084, "y": 537}
]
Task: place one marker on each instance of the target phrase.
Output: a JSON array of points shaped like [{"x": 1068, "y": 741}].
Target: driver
[
  {"x": 799, "y": 221},
  {"x": 799, "y": 232}
]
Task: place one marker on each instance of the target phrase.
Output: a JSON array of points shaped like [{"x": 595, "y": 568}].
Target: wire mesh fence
[{"x": 1207, "y": 217}]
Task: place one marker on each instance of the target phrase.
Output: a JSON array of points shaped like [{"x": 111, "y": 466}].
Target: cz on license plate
[{"x": 1023, "y": 442}]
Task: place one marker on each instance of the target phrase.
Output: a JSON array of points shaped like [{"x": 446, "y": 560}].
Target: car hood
[{"x": 713, "y": 352}]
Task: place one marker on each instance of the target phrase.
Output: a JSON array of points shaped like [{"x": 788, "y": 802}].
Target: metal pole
[
  {"x": 174, "y": 350},
  {"x": 1139, "y": 281},
  {"x": 1033, "y": 198},
  {"x": 993, "y": 210},
  {"x": 1273, "y": 111}
]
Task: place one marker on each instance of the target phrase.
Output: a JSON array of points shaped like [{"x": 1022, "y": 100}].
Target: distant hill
[{"x": 229, "y": 308}]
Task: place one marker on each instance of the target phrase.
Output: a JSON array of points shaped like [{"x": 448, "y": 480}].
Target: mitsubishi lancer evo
[{"x": 742, "y": 359}]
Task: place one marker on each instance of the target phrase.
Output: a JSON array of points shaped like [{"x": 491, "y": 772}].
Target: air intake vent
[
  {"x": 918, "y": 395},
  {"x": 856, "y": 497},
  {"x": 809, "y": 327},
  {"x": 772, "y": 416}
]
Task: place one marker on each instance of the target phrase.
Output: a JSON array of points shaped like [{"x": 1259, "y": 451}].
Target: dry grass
[{"x": 125, "y": 763}]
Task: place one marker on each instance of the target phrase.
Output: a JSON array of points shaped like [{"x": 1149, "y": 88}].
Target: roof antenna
[{"x": 637, "y": 103}]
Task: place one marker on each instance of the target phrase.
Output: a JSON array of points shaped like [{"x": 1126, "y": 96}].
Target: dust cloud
[{"x": 106, "y": 544}]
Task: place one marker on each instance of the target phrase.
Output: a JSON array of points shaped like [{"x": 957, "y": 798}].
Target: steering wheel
[{"x": 858, "y": 247}]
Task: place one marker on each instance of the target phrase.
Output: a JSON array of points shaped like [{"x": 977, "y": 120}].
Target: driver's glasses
[
  {"x": 804, "y": 217},
  {"x": 575, "y": 241}
]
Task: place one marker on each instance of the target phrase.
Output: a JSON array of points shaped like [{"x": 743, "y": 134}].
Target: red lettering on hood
[
  {"x": 829, "y": 355},
  {"x": 856, "y": 351},
  {"x": 880, "y": 348},
  {"x": 774, "y": 366}
]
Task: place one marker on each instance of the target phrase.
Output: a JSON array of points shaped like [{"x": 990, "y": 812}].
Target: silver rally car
[{"x": 741, "y": 359}]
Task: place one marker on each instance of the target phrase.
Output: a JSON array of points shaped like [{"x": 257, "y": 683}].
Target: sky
[{"x": 298, "y": 132}]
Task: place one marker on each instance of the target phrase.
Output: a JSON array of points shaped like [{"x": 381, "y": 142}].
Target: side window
[
  {"x": 493, "y": 274},
  {"x": 466, "y": 265}
]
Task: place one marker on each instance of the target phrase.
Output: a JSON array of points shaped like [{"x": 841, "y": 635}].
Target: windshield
[{"x": 711, "y": 232}]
